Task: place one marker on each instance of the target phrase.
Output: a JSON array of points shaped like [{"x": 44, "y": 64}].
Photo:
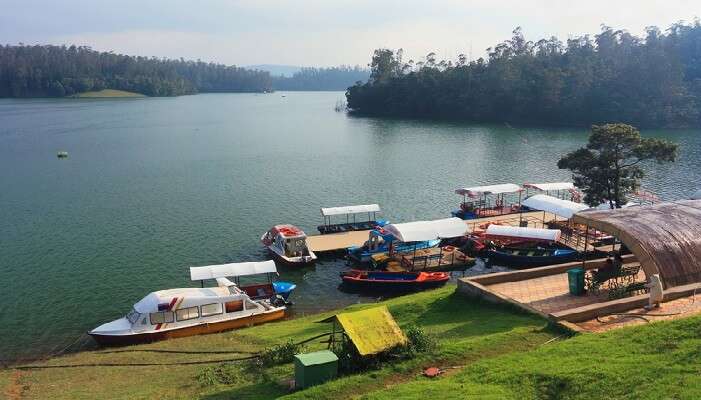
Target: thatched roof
[{"x": 665, "y": 237}]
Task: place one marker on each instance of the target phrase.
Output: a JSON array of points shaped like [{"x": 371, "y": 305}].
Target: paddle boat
[
  {"x": 288, "y": 244},
  {"x": 173, "y": 313},
  {"x": 350, "y": 225},
  {"x": 393, "y": 281},
  {"x": 477, "y": 201},
  {"x": 382, "y": 241},
  {"x": 442, "y": 258},
  {"x": 523, "y": 247}
]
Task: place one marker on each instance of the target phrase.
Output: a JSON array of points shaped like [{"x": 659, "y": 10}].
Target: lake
[{"x": 153, "y": 186}]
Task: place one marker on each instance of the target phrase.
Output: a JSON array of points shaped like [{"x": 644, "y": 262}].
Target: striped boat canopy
[
  {"x": 550, "y": 235},
  {"x": 562, "y": 208},
  {"x": 491, "y": 189},
  {"x": 545, "y": 187},
  {"x": 428, "y": 230},
  {"x": 233, "y": 269},
  {"x": 363, "y": 208}
]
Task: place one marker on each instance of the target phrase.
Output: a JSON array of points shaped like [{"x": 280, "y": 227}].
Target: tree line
[
  {"x": 57, "y": 71},
  {"x": 333, "y": 78},
  {"x": 650, "y": 81}
]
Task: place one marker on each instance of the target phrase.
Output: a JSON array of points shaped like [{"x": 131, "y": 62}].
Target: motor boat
[
  {"x": 181, "y": 312},
  {"x": 288, "y": 244}
]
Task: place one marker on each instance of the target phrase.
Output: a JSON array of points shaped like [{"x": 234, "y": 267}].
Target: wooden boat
[
  {"x": 394, "y": 281},
  {"x": 479, "y": 204},
  {"x": 288, "y": 244},
  {"x": 529, "y": 257},
  {"x": 173, "y": 313},
  {"x": 350, "y": 224},
  {"x": 380, "y": 241}
]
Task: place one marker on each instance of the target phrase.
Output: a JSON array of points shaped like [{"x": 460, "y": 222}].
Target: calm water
[{"x": 153, "y": 186}]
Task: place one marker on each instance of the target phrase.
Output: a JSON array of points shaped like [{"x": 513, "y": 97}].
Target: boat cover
[
  {"x": 428, "y": 230},
  {"x": 491, "y": 189},
  {"x": 560, "y": 207},
  {"x": 550, "y": 186},
  {"x": 524, "y": 233},
  {"x": 371, "y": 331},
  {"x": 363, "y": 208},
  {"x": 233, "y": 269}
]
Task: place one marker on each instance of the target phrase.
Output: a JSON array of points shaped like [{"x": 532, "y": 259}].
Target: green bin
[
  {"x": 575, "y": 277},
  {"x": 315, "y": 368}
]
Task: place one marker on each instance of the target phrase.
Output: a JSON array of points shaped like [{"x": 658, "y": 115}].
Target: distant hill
[
  {"x": 277, "y": 70},
  {"x": 58, "y": 71},
  {"x": 332, "y": 78}
]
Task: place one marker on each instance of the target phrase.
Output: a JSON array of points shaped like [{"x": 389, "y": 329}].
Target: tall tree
[{"x": 610, "y": 167}]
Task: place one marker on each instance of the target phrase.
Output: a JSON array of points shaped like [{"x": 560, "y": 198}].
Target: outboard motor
[{"x": 278, "y": 301}]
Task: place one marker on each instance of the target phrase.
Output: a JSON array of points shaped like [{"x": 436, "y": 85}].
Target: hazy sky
[{"x": 317, "y": 32}]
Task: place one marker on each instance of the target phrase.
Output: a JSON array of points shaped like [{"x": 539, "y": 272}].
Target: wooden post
[{"x": 586, "y": 242}]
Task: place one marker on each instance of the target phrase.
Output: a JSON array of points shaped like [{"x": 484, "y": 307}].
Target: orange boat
[{"x": 394, "y": 281}]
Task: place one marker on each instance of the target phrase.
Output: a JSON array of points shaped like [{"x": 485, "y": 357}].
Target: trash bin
[
  {"x": 575, "y": 277},
  {"x": 315, "y": 368}
]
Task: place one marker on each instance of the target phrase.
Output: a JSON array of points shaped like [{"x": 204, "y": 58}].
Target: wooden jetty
[
  {"x": 336, "y": 241},
  {"x": 341, "y": 241}
]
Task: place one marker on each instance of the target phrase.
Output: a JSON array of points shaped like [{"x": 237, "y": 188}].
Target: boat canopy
[
  {"x": 428, "y": 230},
  {"x": 546, "y": 187},
  {"x": 363, "y": 208},
  {"x": 491, "y": 189},
  {"x": 523, "y": 233},
  {"x": 188, "y": 297},
  {"x": 233, "y": 269},
  {"x": 562, "y": 208}
]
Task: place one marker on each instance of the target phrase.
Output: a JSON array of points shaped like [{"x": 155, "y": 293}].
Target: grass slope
[
  {"x": 496, "y": 352},
  {"x": 108, "y": 93},
  {"x": 466, "y": 331}
]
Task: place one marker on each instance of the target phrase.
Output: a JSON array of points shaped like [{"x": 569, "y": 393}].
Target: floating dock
[
  {"x": 340, "y": 241},
  {"x": 336, "y": 241}
]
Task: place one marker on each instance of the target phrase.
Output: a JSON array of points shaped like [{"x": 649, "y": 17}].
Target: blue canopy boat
[
  {"x": 379, "y": 241},
  {"x": 529, "y": 257}
]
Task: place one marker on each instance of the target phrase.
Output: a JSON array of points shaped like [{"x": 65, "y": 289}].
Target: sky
[{"x": 318, "y": 32}]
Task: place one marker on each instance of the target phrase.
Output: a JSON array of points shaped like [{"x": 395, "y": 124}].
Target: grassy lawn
[
  {"x": 493, "y": 351},
  {"x": 466, "y": 331},
  {"x": 108, "y": 93}
]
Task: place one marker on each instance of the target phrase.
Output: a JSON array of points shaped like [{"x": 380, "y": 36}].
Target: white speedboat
[
  {"x": 288, "y": 244},
  {"x": 183, "y": 312}
]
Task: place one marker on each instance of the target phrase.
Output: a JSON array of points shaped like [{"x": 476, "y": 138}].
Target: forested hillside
[
  {"x": 651, "y": 81},
  {"x": 333, "y": 78},
  {"x": 56, "y": 71}
]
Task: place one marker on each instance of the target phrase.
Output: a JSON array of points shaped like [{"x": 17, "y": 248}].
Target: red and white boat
[{"x": 288, "y": 244}]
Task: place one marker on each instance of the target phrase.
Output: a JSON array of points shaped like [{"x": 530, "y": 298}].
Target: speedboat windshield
[{"x": 133, "y": 316}]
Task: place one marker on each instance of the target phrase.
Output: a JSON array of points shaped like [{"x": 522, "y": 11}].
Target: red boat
[{"x": 394, "y": 281}]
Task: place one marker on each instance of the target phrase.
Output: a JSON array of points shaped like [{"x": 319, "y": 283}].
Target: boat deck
[{"x": 336, "y": 241}]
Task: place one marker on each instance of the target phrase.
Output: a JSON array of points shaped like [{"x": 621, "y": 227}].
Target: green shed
[{"x": 315, "y": 368}]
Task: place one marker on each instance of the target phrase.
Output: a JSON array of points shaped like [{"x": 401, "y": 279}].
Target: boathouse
[{"x": 663, "y": 239}]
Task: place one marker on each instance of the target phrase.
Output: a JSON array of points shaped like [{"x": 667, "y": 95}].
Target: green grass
[
  {"x": 108, "y": 93},
  {"x": 497, "y": 352},
  {"x": 465, "y": 331}
]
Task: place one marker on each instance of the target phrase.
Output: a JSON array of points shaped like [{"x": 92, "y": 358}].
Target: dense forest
[
  {"x": 651, "y": 81},
  {"x": 56, "y": 71},
  {"x": 334, "y": 78}
]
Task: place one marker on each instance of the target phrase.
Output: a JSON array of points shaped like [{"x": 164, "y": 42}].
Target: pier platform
[
  {"x": 341, "y": 241},
  {"x": 336, "y": 241}
]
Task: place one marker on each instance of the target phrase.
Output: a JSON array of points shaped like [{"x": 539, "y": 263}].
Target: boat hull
[
  {"x": 291, "y": 261},
  {"x": 386, "y": 281},
  {"x": 199, "y": 329},
  {"x": 524, "y": 262}
]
